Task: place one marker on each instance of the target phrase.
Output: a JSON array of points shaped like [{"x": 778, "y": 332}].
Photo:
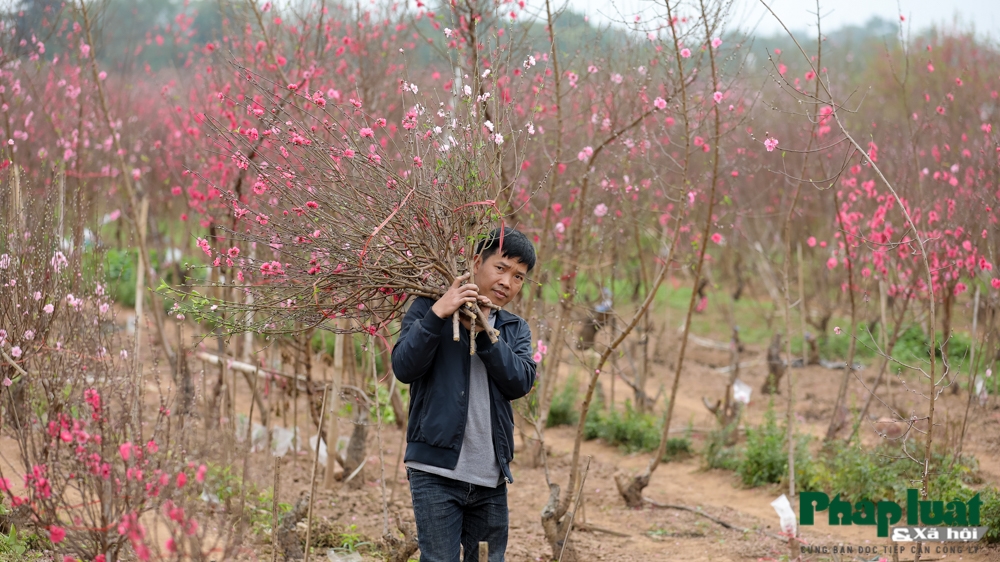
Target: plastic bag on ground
[
  {"x": 741, "y": 392},
  {"x": 258, "y": 437},
  {"x": 335, "y": 556},
  {"x": 342, "y": 443},
  {"x": 283, "y": 441},
  {"x": 786, "y": 514},
  {"x": 322, "y": 448}
]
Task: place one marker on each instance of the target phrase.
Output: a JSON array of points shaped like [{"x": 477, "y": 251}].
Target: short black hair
[{"x": 515, "y": 246}]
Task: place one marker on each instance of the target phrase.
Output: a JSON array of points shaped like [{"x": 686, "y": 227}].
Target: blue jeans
[{"x": 450, "y": 513}]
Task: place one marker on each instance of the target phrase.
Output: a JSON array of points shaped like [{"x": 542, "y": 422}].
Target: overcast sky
[{"x": 798, "y": 14}]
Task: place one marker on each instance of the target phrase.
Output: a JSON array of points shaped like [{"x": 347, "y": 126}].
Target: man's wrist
[
  {"x": 438, "y": 313},
  {"x": 432, "y": 322}
]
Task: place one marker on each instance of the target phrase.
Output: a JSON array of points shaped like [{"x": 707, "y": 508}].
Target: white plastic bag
[
  {"x": 258, "y": 437},
  {"x": 786, "y": 515},
  {"x": 322, "y": 448},
  {"x": 335, "y": 556},
  {"x": 741, "y": 392},
  {"x": 283, "y": 441}
]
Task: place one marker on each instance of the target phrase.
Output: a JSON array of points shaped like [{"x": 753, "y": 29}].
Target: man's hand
[
  {"x": 457, "y": 295},
  {"x": 483, "y": 301}
]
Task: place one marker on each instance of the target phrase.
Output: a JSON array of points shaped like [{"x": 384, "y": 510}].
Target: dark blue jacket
[{"x": 437, "y": 369}]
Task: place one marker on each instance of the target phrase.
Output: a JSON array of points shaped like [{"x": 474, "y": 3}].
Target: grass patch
[
  {"x": 720, "y": 454},
  {"x": 116, "y": 269},
  {"x": 224, "y": 484},
  {"x": 16, "y": 545},
  {"x": 989, "y": 513},
  {"x": 329, "y": 535},
  {"x": 884, "y": 473},
  {"x": 633, "y": 431},
  {"x": 764, "y": 459}
]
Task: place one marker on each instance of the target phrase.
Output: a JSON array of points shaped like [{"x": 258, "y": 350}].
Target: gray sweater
[{"x": 477, "y": 461}]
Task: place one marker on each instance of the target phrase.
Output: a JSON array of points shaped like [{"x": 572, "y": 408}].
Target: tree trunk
[
  {"x": 775, "y": 367},
  {"x": 554, "y": 526},
  {"x": 356, "y": 450}
]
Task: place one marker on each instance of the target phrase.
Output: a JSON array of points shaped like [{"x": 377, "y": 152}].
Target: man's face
[{"x": 499, "y": 277}]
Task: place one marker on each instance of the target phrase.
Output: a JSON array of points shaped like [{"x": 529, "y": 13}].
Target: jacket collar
[{"x": 504, "y": 317}]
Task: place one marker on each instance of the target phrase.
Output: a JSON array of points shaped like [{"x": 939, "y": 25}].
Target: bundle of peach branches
[{"x": 338, "y": 212}]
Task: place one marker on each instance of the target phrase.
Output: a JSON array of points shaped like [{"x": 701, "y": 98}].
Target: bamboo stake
[
  {"x": 975, "y": 331},
  {"x": 973, "y": 368},
  {"x": 333, "y": 431},
  {"x": 378, "y": 436},
  {"x": 248, "y": 368},
  {"x": 62, "y": 201},
  {"x": 246, "y": 457},
  {"x": 296, "y": 363},
  {"x": 248, "y": 335},
  {"x": 140, "y": 291},
  {"x": 17, "y": 209},
  {"x": 312, "y": 481},
  {"x": 802, "y": 307},
  {"x": 231, "y": 374},
  {"x": 274, "y": 509}
]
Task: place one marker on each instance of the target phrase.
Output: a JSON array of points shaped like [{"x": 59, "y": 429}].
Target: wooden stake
[
  {"x": 140, "y": 295},
  {"x": 274, "y": 510},
  {"x": 484, "y": 551},
  {"x": 312, "y": 481},
  {"x": 232, "y": 396},
  {"x": 246, "y": 457},
  {"x": 295, "y": 409},
  {"x": 248, "y": 335},
  {"x": 802, "y": 308},
  {"x": 614, "y": 375},
  {"x": 288, "y": 394},
  {"x": 378, "y": 441},
  {"x": 883, "y": 303},
  {"x": 333, "y": 431}
]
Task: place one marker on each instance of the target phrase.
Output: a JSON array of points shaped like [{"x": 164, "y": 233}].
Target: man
[{"x": 460, "y": 437}]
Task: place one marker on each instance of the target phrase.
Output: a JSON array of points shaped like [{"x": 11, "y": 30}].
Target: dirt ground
[
  {"x": 667, "y": 534},
  {"x": 621, "y": 534}
]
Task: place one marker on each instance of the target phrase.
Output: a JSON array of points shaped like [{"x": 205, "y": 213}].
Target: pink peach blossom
[{"x": 56, "y": 534}]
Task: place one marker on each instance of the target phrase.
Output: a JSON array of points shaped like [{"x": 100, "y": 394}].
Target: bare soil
[
  {"x": 646, "y": 534},
  {"x": 667, "y": 534}
]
